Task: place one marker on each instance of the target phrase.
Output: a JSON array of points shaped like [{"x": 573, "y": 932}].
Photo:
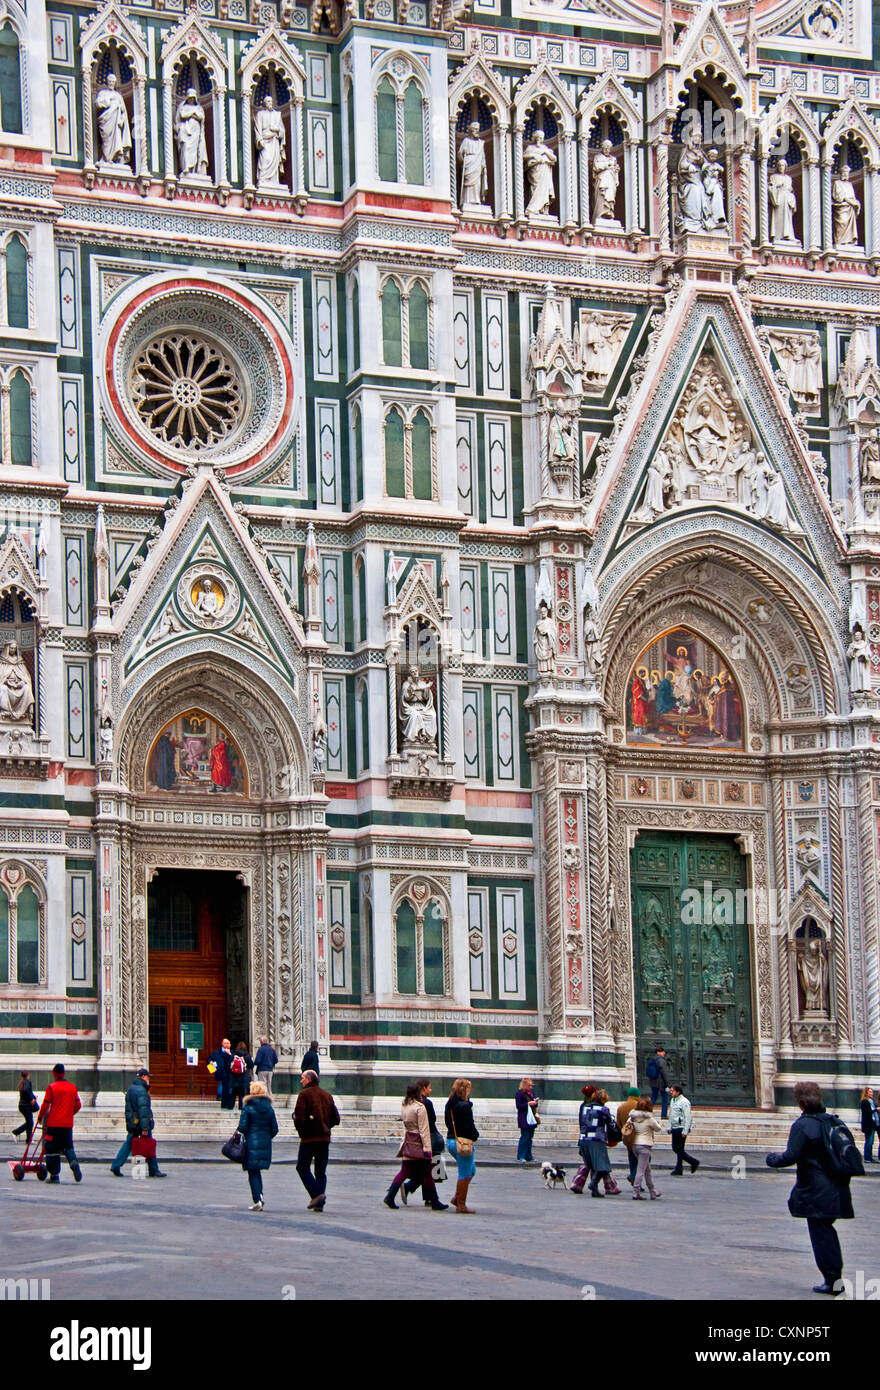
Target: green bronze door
[{"x": 691, "y": 957}]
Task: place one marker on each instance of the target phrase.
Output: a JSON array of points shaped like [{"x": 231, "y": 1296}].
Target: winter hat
[
  {"x": 58, "y": 1069},
  {"x": 588, "y": 1091},
  {"x": 633, "y": 1091},
  {"x": 142, "y": 1071}
]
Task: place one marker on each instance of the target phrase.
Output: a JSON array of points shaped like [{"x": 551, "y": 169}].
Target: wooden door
[
  {"x": 691, "y": 958},
  {"x": 188, "y": 913}
]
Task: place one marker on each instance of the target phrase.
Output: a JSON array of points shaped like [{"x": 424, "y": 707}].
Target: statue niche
[
  {"x": 417, "y": 655},
  {"x": 475, "y": 159},
  {"x": 17, "y": 665},
  {"x": 811, "y": 957}
]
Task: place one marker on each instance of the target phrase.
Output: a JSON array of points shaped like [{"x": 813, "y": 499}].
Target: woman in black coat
[
  {"x": 819, "y": 1194},
  {"x": 27, "y": 1105},
  {"x": 259, "y": 1126},
  {"x": 870, "y": 1121}
]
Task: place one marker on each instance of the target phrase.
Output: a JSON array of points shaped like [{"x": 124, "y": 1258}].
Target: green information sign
[{"x": 192, "y": 1035}]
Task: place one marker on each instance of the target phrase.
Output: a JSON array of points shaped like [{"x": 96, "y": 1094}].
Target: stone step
[{"x": 201, "y": 1120}]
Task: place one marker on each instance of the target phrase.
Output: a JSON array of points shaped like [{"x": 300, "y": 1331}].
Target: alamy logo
[
  {"x": 75, "y": 1343},
  {"x": 32, "y": 1290}
]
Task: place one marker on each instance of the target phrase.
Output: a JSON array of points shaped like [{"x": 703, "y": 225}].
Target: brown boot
[{"x": 460, "y": 1202}]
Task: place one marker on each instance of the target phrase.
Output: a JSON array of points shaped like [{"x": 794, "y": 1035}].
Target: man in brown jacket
[
  {"x": 314, "y": 1117},
  {"x": 623, "y": 1110}
]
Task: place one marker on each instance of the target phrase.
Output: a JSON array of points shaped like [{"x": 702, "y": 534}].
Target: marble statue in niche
[
  {"x": 546, "y": 641},
  {"x": 812, "y": 967},
  {"x": 114, "y": 131},
  {"x": 539, "y": 160},
  {"x": 16, "y": 688},
  {"x": 845, "y": 207},
  {"x": 418, "y": 714},
  {"x": 270, "y": 141},
  {"x": 783, "y": 205},
  {"x": 606, "y": 176},
  {"x": 189, "y": 132},
  {"x": 474, "y": 177}
]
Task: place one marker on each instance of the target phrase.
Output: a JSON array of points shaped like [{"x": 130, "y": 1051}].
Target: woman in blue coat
[{"x": 259, "y": 1127}]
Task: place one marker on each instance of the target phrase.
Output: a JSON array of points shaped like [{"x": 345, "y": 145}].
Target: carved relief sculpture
[
  {"x": 824, "y": 24},
  {"x": 114, "y": 131},
  {"x": 418, "y": 716},
  {"x": 713, "y": 192},
  {"x": 474, "y": 179},
  {"x": 270, "y": 140},
  {"x": 845, "y": 208},
  {"x": 601, "y": 338},
  {"x": 783, "y": 205},
  {"x": 539, "y": 160},
  {"x": 189, "y": 132},
  {"x": 800, "y": 358},
  {"x": 859, "y": 656},
  {"x": 546, "y": 642},
  {"x": 606, "y": 176}
]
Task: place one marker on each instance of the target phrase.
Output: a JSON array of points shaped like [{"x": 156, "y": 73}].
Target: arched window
[
  {"x": 423, "y": 487},
  {"x": 413, "y": 135},
  {"x": 420, "y": 947},
  {"x": 392, "y": 325},
  {"x": 20, "y": 422},
  {"x": 349, "y": 115},
  {"x": 10, "y": 80},
  {"x": 28, "y": 937},
  {"x": 367, "y": 945},
  {"x": 358, "y": 447},
  {"x": 361, "y": 573},
  {"x": 400, "y": 127},
  {"x": 386, "y": 130},
  {"x": 418, "y": 327},
  {"x": 395, "y": 458},
  {"x": 405, "y": 939},
  {"x": 362, "y": 696},
  {"x": 355, "y": 327},
  {"x": 16, "y": 283}
]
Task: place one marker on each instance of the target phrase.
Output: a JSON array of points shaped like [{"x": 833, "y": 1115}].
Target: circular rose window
[{"x": 197, "y": 372}]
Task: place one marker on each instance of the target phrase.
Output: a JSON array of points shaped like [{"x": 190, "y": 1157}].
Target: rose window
[
  {"x": 197, "y": 372},
  {"x": 186, "y": 391}
]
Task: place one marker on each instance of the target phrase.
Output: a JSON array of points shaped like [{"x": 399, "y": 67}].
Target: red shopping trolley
[{"x": 33, "y": 1159}]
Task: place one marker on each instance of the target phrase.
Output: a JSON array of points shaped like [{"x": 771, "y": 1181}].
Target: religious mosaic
[
  {"x": 680, "y": 692},
  {"x": 194, "y": 754}
]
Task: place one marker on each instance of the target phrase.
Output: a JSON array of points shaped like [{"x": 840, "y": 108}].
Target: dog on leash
[{"x": 553, "y": 1174}]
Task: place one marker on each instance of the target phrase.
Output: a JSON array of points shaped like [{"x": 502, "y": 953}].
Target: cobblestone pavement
[{"x": 192, "y": 1237}]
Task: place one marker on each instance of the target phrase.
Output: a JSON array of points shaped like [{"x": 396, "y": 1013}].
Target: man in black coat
[
  {"x": 311, "y": 1061},
  {"x": 138, "y": 1122},
  {"x": 820, "y": 1195},
  {"x": 222, "y": 1060}
]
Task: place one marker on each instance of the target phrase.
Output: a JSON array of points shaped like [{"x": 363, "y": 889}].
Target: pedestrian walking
[
  {"x": 870, "y": 1122},
  {"x": 259, "y": 1125},
  {"x": 60, "y": 1103},
  {"x": 27, "y": 1106},
  {"x": 311, "y": 1061},
  {"x": 623, "y": 1114},
  {"x": 658, "y": 1077},
  {"x": 820, "y": 1194},
  {"x": 241, "y": 1071},
  {"x": 220, "y": 1065},
  {"x": 415, "y": 1151},
  {"x": 595, "y": 1119},
  {"x": 314, "y": 1116},
  {"x": 644, "y": 1128},
  {"x": 139, "y": 1124},
  {"x": 461, "y": 1135},
  {"x": 265, "y": 1063},
  {"x": 680, "y": 1124},
  {"x": 527, "y": 1120},
  {"x": 437, "y": 1145}
]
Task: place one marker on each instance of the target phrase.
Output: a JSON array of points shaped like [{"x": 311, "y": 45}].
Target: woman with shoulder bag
[
  {"x": 415, "y": 1152},
  {"x": 461, "y": 1135},
  {"x": 595, "y": 1122},
  {"x": 259, "y": 1125},
  {"x": 527, "y": 1119},
  {"x": 644, "y": 1127}
]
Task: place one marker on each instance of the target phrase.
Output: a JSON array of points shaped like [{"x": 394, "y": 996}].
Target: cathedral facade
[{"x": 440, "y": 564}]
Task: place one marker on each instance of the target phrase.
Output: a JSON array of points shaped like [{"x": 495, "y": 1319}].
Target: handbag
[
  {"x": 235, "y": 1148},
  {"x": 613, "y": 1134},
  {"x": 463, "y": 1147},
  {"x": 143, "y": 1146},
  {"x": 412, "y": 1145}
]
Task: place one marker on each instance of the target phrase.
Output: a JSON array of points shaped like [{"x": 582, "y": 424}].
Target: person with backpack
[
  {"x": 869, "y": 1117},
  {"x": 241, "y": 1069},
  {"x": 658, "y": 1076},
  {"x": 27, "y": 1106},
  {"x": 826, "y": 1157},
  {"x": 680, "y": 1122}
]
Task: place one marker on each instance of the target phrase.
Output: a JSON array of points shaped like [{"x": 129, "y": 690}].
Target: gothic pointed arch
[
  {"x": 192, "y": 57},
  {"x": 272, "y": 66},
  {"x": 113, "y": 42}
]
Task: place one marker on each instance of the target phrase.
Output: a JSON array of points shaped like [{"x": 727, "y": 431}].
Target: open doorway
[{"x": 197, "y": 974}]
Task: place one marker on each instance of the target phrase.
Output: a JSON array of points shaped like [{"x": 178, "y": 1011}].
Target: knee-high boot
[{"x": 460, "y": 1199}]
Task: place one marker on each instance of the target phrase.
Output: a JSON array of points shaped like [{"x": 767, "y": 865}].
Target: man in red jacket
[{"x": 60, "y": 1103}]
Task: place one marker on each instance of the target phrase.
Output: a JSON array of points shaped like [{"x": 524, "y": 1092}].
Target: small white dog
[{"x": 553, "y": 1174}]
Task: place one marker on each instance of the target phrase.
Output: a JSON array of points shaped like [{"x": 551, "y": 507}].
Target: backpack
[
  {"x": 238, "y": 1067},
  {"x": 844, "y": 1159},
  {"x": 652, "y": 1070}
]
